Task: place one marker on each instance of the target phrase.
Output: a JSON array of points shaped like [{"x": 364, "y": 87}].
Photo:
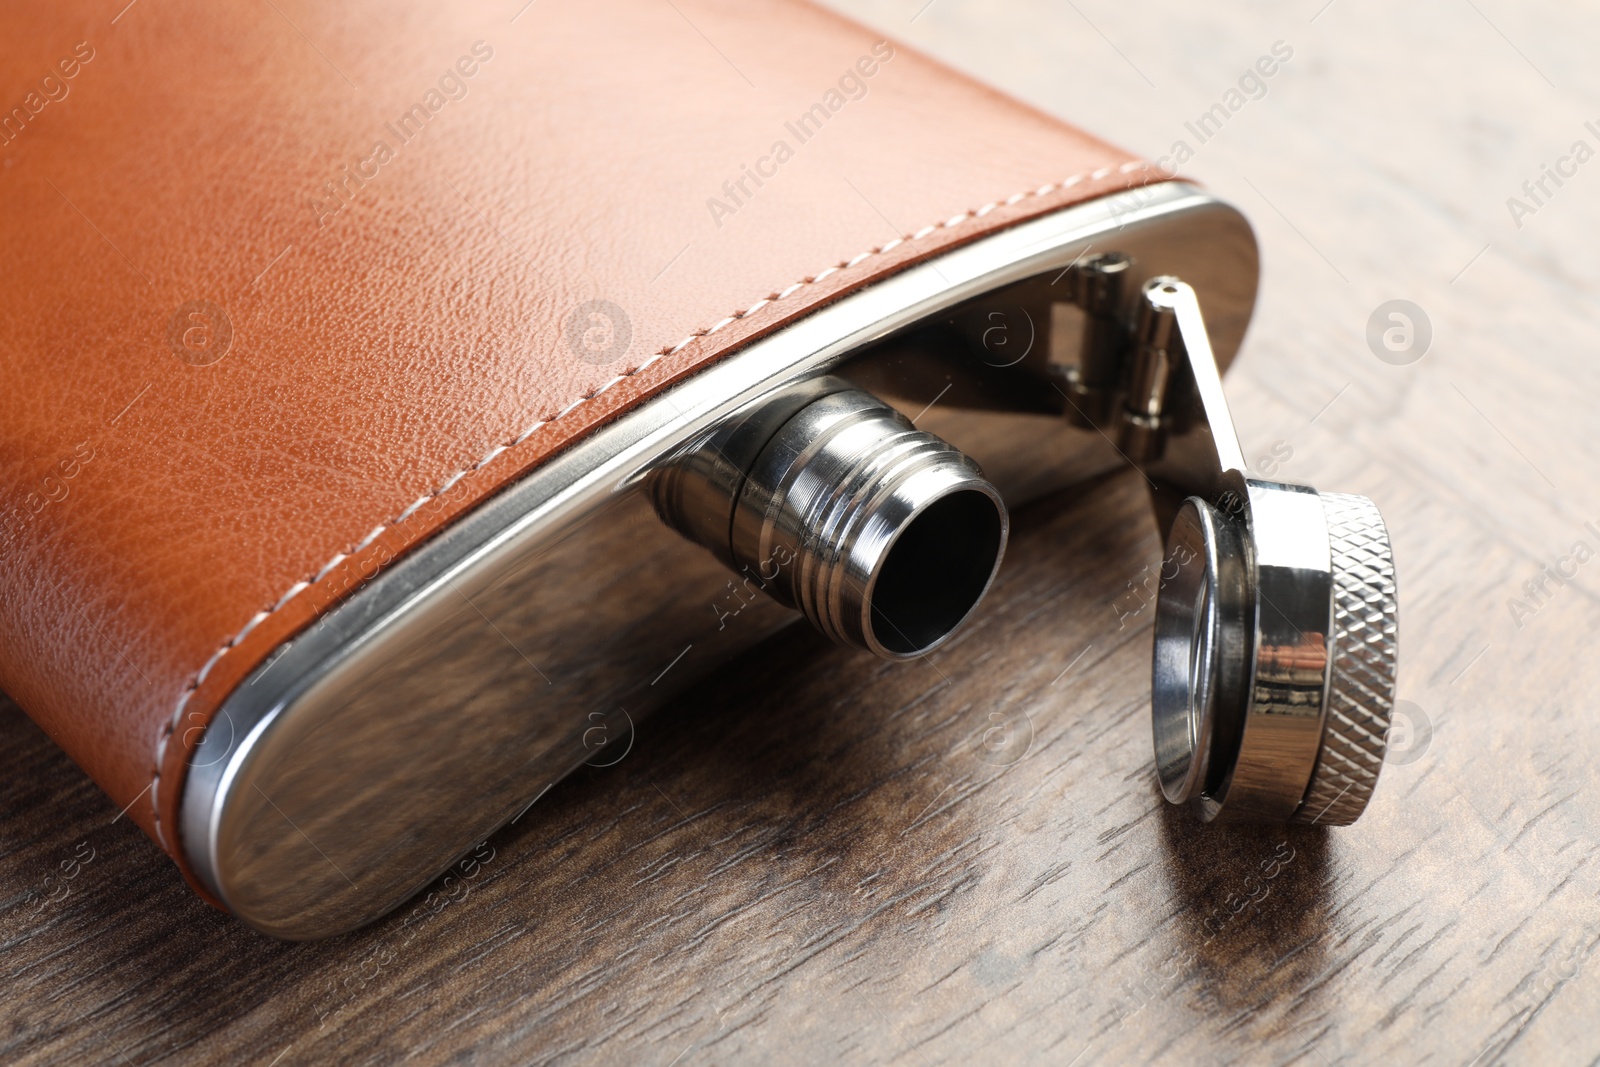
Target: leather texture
[{"x": 250, "y": 356}]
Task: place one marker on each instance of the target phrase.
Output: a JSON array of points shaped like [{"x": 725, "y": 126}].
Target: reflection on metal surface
[
  {"x": 1265, "y": 588},
  {"x": 883, "y": 536},
  {"x": 432, "y": 706}
]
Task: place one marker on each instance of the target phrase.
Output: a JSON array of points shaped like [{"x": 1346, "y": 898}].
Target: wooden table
[{"x": 816, "y": 858}]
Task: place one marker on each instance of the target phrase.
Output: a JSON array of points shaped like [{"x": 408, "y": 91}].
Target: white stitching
[
  {"x": 525, "y": 434},
  {"x": 478, "y": 466},
  {"x": 410, "y": 510},
  {"x": 298, "y": 587},
  {"x": 301, "y": 586},
  {"x": 608, "y": 385},
  {"x": 255, "y": 620},
  {"x": 212, "y": 662},
  {"x": 338, "y": 558}
]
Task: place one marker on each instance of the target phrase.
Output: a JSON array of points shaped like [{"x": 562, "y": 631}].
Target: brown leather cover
[{"x": 289, "y": 286}]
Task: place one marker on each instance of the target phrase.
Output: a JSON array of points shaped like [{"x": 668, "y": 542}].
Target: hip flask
[{"x": 532, "y": 387}]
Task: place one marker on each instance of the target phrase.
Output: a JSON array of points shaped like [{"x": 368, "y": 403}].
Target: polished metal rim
[{"x": 1183, "y": 690}]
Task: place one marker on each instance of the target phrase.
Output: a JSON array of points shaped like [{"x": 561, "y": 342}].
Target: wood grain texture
[{"x": 819, "y": 857}]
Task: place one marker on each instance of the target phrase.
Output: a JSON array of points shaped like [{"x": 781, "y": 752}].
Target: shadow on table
[{"x": 1252, "y": 911}]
